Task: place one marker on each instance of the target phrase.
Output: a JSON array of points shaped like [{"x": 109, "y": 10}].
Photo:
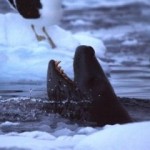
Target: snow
[
  {"x": 129, "y": 136},
  {"x": 22, "y": 55}
]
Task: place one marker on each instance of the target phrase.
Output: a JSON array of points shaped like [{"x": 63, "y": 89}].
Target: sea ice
[{"x": 23, "y": 58}]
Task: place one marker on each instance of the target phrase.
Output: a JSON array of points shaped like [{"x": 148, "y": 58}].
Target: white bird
[{"x": 39, "y": 13}]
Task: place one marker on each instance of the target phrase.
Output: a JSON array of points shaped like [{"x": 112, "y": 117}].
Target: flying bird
[{"x": 40, "y": 13}]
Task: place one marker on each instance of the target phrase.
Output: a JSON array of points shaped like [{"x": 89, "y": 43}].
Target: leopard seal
[{"x": 90, "y": 83}]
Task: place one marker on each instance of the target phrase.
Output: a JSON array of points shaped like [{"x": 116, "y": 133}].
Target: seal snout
[{"x": 83, "y": 48}]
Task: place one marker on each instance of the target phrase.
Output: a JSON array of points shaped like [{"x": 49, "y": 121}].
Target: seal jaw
[
  {"x": 59, "y": 85},
  {"x": 56, "y": 82}
]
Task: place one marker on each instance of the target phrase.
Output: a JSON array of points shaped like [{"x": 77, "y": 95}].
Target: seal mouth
[
  {"x": 67, "y": 98},
  {"x": 61, "y": 72},
  {"x": 59, "y": 86}
]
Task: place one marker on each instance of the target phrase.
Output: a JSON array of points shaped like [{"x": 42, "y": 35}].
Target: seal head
[{"x": 91, "y": 80}]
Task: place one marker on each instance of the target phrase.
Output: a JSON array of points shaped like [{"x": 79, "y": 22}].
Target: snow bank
[
  {"x": 128, "y": 137},
  {"x": 133, "y": 136}
]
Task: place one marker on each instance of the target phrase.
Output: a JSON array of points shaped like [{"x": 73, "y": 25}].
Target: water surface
[{"x": 125, "y": 31}]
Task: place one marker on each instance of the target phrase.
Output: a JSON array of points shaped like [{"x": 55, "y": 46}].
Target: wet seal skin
[
  {"x": 91, "y": 80},
  {"x": 90, "y": 84}
]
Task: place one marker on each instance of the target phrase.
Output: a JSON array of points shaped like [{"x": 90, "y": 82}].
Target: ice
[
  {"x": 63, "y": 132},
  {"x": 38, "y": 135},
  {"x": 24, "y": 143},
  {"x": 129, "y": 136},
  {"x": 23, "y": 58},
  {"x": 87, "y": 130}
]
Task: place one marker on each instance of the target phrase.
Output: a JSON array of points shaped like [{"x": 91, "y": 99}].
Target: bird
[{"x": 40, "y": 13}]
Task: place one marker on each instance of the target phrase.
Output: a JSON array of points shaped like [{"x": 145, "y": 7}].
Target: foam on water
[{"x": 71, "y": 4}]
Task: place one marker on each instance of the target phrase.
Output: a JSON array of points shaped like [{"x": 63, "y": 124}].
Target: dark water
[
  {"x": 15, "y": 89},
  {"x": 129, "y": 61}
]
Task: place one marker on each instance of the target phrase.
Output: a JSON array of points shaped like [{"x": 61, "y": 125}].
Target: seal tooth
[
  {"x": 65, "y": 76},
  {"x": 62, "y": 71},
  {"x": 57, "y": 63},
  {"x": 59, "y": 68}
]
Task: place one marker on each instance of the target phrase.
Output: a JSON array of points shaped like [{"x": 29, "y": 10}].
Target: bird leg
[
  {"x": 49, "y": 39},
  {"x": 38, "y": 37}
]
